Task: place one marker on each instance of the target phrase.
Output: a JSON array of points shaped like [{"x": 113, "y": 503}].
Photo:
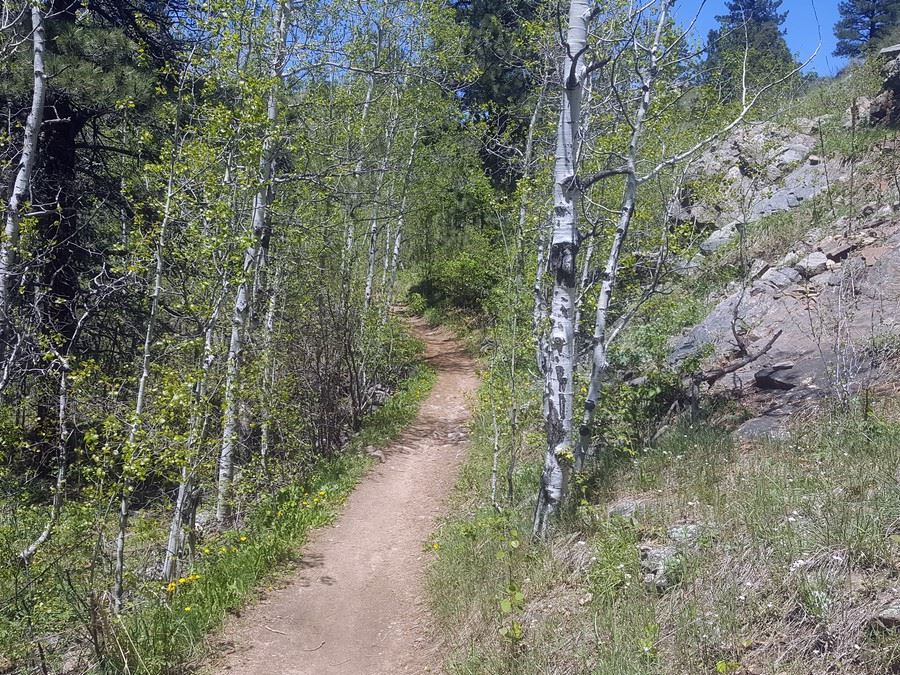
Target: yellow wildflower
[{"x": 188, "y": 608}]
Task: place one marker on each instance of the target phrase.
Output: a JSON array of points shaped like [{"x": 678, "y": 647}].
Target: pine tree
[
  {"x": 751, "y": 28},
  {"x": 864, "y": 24}
]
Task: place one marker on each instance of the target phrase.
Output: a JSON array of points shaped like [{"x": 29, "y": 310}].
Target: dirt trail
[{"x": 356, "y": 605}]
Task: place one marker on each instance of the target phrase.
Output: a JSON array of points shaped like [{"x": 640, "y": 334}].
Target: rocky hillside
[{"x": 819, "y": 239}]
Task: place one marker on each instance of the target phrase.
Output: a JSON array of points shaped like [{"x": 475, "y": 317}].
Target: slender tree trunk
[
  {"x": 518, "y": 280},
  {"x": 131, "y": 443},
  {"x": 393, "y": 265},
  {"x": 372, "y": 237},
  {"x": 539, "y": 314},
  {"x": 599, "y": 362},
  {"x": 269, "y": 372},
  {"x": 347, "y": 258},
  {"x": 261, "y": 233},
  {"x": 22, "y": 185},
  {"x": 558, "y": 456},
  {"x": 373, "y": 227},
  {"x": 195, "y": 440},
  {"x": 61, "y": 465}
]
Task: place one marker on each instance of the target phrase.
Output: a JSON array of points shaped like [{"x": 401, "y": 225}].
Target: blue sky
[{"x": 806, "y": 20}]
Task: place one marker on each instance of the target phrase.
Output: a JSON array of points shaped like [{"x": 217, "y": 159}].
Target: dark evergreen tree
[
  {"x": 504, "y": 79},
  {"x": 751, "y": 28},
  {"x": 864, "y": 24}
]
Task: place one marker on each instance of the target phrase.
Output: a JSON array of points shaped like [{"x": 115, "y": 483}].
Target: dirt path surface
[{"x": 356, "y": 605}]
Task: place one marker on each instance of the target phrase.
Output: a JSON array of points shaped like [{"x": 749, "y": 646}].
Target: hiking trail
[{"x": 356, "y": 604}]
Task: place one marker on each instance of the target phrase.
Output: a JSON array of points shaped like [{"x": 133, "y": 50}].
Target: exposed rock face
[
  {"x": 884, "y": 109},
  {"x": 775, "y": 376},
  {"x": 813, "y": 264},
  {"x": 829, "y": 304},
  {"x": 764, "y": 168},
  {"x": 655, "y": 558}
]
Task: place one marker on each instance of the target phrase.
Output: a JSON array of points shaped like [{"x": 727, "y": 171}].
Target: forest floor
[{"x": 356, "y": 604}]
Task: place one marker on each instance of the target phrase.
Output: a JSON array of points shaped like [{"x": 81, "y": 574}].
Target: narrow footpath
[{"x": 356, "y": 605}]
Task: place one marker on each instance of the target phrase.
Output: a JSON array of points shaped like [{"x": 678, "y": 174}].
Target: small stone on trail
[{"x": 889, "y": 617}]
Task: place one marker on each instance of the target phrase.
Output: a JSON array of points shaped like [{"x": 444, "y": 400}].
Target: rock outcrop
[
  {"x": 764, "y": 168},
  {"x": 833, "y": 303}
]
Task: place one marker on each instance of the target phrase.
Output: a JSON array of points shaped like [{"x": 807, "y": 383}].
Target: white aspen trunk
[
  {"x": 599, "y": 362},
  {"x": 261, "y": 232},
  {"x": 125, "y": 488},
  {"x": 196, "y": 437},
  {"x": 563, "y": 254},
  {"x": 350, "y": 228},
  {"x": 518, "y": 278},
  {"x": 22, "y": 185},
  {"x": 61, "y": 464},
  {"x": 539, "y": 313},
  {"x": 393, "y": 265},
  {"x": 372, "y": 239},
  {"x": 373, "y": 227},
  {"x": 269, "y": 372}
]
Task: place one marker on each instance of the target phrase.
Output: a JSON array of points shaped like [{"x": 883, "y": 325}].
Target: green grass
[
  {"x": 166, "y": 629},
  {"x": 172, "y": 633},
  {"x": 796, "y": 548}
]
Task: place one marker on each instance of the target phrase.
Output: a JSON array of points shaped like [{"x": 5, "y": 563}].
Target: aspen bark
[
  {"x": 599, "y": 343},
  {"x": 373, "y": 227},
  {"x": 22, "y": 184},
  {"x": 563, "y": 254},
  {"x": 195, "y": 440},
  {"x": 131, "y": 443},
  {"x": 269, "y": 373},
  {"x": 261, "y": 228},
  {"x": 347, "y": 258},
  {"x": 393, "y": 265}
]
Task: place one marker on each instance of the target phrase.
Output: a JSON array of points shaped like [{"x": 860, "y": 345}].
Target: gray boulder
[{"x": 813, "y": 264}]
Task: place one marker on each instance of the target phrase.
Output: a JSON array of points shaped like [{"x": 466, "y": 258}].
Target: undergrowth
[
  {"x": 776, "y": 558},
  {"x": 168, "y": 631}
]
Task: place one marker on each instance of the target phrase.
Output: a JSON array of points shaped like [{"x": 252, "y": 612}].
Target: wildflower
[
  {"x": 171, "y": 586},
  {"x": 435, "y": 546},
  {"x": 206, "y": 550},
  {"x": 243, "y": 538},
  {"x": 223, "y": 550},
  {"x": 188, "y": 608},
  {"x": 182, "y": 581}
]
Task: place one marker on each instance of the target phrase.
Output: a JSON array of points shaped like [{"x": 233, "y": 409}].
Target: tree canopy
[{"x": 864, "y": 24}]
